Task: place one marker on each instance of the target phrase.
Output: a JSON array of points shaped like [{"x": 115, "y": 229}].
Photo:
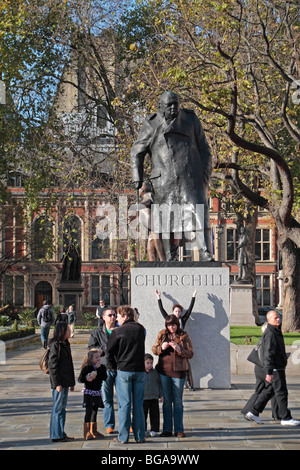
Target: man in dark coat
[
  {"x": 125, "y": 353},
  {"x": 274, "y": 362},
  {"x": 181, "y": 169}
]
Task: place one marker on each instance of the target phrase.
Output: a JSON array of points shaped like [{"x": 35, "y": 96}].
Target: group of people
[
  {"x": 116, "y": 358},
  {"x": 46, "y": 319}
]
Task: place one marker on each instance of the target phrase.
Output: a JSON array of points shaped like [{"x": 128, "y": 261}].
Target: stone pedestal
[
  {"x": 70, "y": 293},
  {"x": 208, "y": 325},
  {"x": 241, "y": 304}
]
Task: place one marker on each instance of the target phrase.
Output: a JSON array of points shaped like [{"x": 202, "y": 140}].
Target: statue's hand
[{"x": 137, "y": 184}]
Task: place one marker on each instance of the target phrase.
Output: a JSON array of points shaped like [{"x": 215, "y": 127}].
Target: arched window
[
  {"x": 100, "y": 248},
  {"x": 42, "y": 238},
  {"x": 71, "y": 232}
]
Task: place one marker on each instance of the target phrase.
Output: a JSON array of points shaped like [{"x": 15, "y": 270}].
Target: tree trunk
[
  {"x": 250, "y": 226},
  {"x": 291, "y": 285}
]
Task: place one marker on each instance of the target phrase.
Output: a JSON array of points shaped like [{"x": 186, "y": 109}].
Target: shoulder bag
[
  {"x": 255, "y": 355},
  {"x": 44, "y": 362}
]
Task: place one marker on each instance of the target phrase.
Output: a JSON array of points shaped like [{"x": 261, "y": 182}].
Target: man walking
[
  {"x": 99, "y": 339},
  {"x": 71, "y": 319},
  {"x": 45, "y": 319},
  {"x": 125, "y": 352},
  {"x": 274, "y": 363},
  {"x": 99, "y": 312}
]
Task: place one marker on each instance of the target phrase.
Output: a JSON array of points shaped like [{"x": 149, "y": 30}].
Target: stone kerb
[{"x": 208, "y": 325}]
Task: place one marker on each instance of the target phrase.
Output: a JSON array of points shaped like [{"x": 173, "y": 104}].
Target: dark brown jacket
[{"x": 184, "y": 341}]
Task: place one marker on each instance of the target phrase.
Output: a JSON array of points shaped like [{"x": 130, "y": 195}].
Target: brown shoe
[
  {"x": 94, "y": 432},
  {"x": 86, "y": 432},
  {"x": 179, "y": 434},
  {"x": 109, "y": 431}
]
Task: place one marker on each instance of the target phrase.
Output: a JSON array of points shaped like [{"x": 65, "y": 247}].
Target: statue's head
[{"x": 168, "y": 105}]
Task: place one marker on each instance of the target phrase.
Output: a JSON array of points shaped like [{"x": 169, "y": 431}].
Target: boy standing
[{"x": 152, "y": 394}]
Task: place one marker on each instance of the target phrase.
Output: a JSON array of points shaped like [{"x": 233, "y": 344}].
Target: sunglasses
[{"x": 111, "y": 315}]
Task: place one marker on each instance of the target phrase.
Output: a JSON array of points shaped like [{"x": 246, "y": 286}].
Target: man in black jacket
[
  {"x": 125, "y": 352},
  {"x": 274, "y": 363},
  {"x": 99, "y": 339}
]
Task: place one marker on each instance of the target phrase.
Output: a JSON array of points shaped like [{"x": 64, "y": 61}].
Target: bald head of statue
[{"x": 168, "y": 105}]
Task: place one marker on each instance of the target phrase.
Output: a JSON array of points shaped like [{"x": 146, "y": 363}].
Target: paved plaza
[{"x": 212, "y": 418}]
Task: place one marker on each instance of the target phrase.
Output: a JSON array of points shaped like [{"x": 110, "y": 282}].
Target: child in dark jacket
[
  {"x": 152, "y": 393},
  {"x": 92, "y": 375}
]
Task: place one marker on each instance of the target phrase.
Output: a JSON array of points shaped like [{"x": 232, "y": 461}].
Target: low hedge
[{"x": 20, "y": 333}]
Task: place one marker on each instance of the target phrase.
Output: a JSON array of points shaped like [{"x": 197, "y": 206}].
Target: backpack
[
  {"x": 46, "y": 315},
  {"x": 44, "y": 362}
]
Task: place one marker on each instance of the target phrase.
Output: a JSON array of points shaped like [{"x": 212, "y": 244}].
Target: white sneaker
[
  {"x": 251, "y": 417},
  {"x": 290, "y": 422},
  {"x": 152, "y": 433}
]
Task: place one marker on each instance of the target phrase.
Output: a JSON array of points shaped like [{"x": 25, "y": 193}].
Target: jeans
[
  {"x": 108, "y": 399},
  {"x": 172, "y": 391},
  {"x": 44, "y": 334},
  {"x": 131, "y": 384},
  {"x": 58, "y": 414}
]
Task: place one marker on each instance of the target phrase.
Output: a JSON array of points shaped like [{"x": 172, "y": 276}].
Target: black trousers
[
  {"x": 151, "y": 407},
  {"x": 91, "y": 405},
  {"x": 278, "y": 388},
  {"x": 260, "y": 376}
]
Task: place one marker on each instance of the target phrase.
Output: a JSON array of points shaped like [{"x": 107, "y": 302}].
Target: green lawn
[{"x": 252, "y": 334}]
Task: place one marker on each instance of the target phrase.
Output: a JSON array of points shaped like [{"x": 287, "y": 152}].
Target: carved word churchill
[{"x": 169, "y": 280}]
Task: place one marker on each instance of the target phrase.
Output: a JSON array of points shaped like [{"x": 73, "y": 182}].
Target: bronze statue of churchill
[{"x": 180, "y": 163}]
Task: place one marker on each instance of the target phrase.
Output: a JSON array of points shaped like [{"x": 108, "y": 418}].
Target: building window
[
  {"x": 16, "y": 179},
  {"x": 124, "y": 292},
  {"x": 122, "y": 250},
  {"x": 13, "y": 287},
  {"x": 72, "y": 232},
  {"x": 13, "y": 238},
  {"x": 231, "y": 244},
  {"x": 100, "y": 289},
  {"x": 42, "y": 238},
  {"x": 262, "y": 245},
  {"x": 100, "y": 248},
  {"x": 263, "y": 289}
]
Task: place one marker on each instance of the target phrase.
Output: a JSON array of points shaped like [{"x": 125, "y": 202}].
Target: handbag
[
  {"x": 44, "y": 362},
  {"x": 255, "y": 355}
]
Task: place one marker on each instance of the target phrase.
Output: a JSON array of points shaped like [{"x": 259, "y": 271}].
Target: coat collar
[{"x": 179, "y": 125}]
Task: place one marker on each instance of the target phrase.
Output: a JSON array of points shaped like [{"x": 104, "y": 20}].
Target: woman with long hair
[
  {"x": 62, "y": 379},
  {"x": 173, "y": 347}
]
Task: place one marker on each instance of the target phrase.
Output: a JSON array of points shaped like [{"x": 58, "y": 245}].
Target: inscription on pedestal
[
  {"x": 184, "y": 280},
  {"x": 208, "y": 325}
]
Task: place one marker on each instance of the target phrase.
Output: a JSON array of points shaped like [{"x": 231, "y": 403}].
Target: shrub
[
  {"x": 27, "y": 316},
  {"x": 12, "y": 334},
  {"x": 89, "y": 318},
  {"x": 4, "y": 320}
]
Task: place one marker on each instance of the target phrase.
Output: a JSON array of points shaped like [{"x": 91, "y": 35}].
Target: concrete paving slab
[{"x": 212, "y": 418}]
